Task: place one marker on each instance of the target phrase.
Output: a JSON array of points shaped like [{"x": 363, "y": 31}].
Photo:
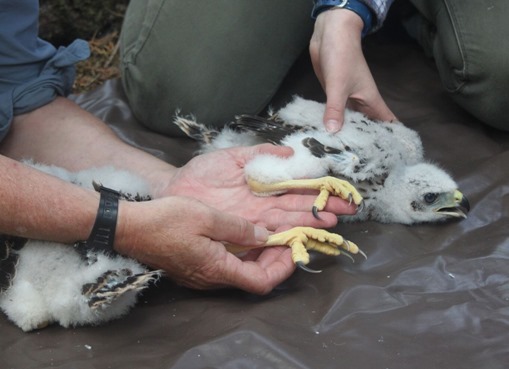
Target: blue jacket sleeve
[
  {"x": 32, "y": 71},
  {"x": 379, "y": 9}
]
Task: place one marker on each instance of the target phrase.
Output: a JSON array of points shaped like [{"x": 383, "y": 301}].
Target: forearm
[
  {"x": 36, "y": 205},
  {"x": 63, "y": 134}
]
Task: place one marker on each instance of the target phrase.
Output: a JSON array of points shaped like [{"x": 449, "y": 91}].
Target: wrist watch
[
  {"x": 102, "y": 236},
  {"x": 355, "y": 6}
]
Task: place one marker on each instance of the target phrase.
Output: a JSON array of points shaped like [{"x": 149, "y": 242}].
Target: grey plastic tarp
[{"x": 428, "y": 296}]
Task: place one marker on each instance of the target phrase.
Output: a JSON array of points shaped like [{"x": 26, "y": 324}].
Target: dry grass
[
  {"x": 98, "y": 22},
  {"x": 102, "y": 64}
]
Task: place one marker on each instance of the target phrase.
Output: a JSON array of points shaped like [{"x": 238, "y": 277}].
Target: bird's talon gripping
[
  {"x": 347, "y": 243},
  {"x": 363, "y": 254},
  {"x": 360, "y": 207},
  {"x": 303, "y": 266},
  {"x": 304, "y": 239},
  {"x": 327, "y": 186},
  {"x": 314, "y": 210},
  {"x": 348, "y": 256}
]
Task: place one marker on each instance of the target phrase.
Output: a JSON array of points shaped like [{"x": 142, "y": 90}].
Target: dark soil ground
[{"x": 98, "y": 22}]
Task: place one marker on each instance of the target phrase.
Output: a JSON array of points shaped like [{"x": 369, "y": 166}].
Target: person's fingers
[
  {"x": 273, "y": 254},
  {"x": 299, "y": 202},
  {"x": 276, "y": 218},
  {"x": 283, "y": 151},
  {"x": 315, "y": 62},
  {"x": 335, "y": 106},
  {"x": 261, "y": 276},
  {"x": 334, "y": 115},
  {"x": 248, "y": 153},
  {"x": 235, "y": 230},
  {"x": 372, "y": 105},
  {"x": 376, "y": 108}
]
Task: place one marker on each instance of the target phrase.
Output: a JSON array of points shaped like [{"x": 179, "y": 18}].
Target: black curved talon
[
  {"x": 315, "y": 213},
  {"x": 347, "y": 254},
  {"x": 363, "y": 254},
  {"x": 360, "y": 207},
  {"x": 302, "y": 266}
]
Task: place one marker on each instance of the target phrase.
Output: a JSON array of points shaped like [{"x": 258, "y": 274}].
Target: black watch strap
[{"x": 102, "y": 236}]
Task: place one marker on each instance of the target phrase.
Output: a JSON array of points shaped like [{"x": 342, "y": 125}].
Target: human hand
[
  {"x": 341, "y": 68},
  {"x": 218, "y": 180},
  {"x": 185, "y": 238}
]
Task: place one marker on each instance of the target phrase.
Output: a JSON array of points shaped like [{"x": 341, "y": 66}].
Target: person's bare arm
[
  {"x": 37, "y": 205},
  {"x": 63, "y": 134},
  {"x": 182, "y": 235}
]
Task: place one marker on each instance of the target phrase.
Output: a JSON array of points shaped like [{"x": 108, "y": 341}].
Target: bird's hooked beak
[{"x": 455, "y": 205}]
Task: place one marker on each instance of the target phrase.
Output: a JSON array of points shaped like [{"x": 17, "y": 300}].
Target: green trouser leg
[
  {"x": 469, "y": 40},
  {"x": 212, "y": 59}
]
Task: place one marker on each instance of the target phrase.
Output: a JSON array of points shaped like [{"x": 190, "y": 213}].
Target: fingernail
[
  {"x": 261, "y": 234},
  {"x": 332, "y": 126}
]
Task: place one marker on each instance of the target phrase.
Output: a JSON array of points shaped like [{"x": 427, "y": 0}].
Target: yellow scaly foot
[
  {"x": 304, "y": 239},
  {"x": 326, "y": 185}
]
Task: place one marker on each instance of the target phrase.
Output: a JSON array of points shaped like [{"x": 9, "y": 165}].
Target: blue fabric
[
  {"x": 32, "y": 71},
  {"x": 356, "y": 6},
  {"x": 380, "y": 9}
]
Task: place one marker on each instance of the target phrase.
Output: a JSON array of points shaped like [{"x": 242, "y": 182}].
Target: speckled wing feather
[
  {"x": 316, "y": 148},
  {"x": 196, "y": 131},
  {"x": 271, "y": 129},
  {"x": 9, "y": 258},
  {"x": 114, "y": 283}
]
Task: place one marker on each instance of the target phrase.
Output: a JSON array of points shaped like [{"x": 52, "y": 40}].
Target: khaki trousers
[
  {"x": 212, "y": 59},
  {"x": 219, "y": 58}
]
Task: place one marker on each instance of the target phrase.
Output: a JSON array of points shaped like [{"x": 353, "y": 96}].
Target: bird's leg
[
  {"x": 304, "y": 239},
  {"x": 326, "y": 185}
]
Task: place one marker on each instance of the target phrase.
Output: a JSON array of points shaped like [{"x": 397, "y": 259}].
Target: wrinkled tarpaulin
[{"x": 431, "y": 296}]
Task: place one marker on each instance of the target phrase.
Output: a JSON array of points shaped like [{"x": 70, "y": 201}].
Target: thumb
[
  {"x": 334, "y": 115},
  {"x": 236, "y": 230}
]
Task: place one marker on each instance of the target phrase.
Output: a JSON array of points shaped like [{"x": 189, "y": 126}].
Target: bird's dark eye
[{"x": 430, "y": 197}]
